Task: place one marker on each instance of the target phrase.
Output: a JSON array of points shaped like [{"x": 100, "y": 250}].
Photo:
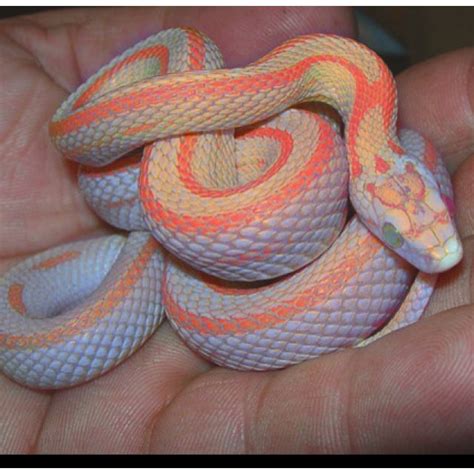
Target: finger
[
  {"x": 463, "y": 182},
  {"x": 405, "y": 393},
  {"x": 437, "y": 99},
  {"x": 77, "y": 42},
  {"x": 114, "y": 413},
  {"x": 40, "y": 204},
  {"x": 456, "y": 287},
  {"x": 22, "y": 412},
  {"x": 253, "y": 34}
]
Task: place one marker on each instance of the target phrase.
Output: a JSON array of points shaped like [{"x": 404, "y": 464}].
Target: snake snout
[
  {"x": 435, "y": 252},
  {"x": 447, "y": 255}
]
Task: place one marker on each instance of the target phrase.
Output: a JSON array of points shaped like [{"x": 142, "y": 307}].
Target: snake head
[{"x": 408, "y": 213}]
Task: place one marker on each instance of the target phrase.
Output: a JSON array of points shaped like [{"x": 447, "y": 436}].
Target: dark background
[
  {"x": 426, "y": 31},
  {"x": 423, "y": 32}
]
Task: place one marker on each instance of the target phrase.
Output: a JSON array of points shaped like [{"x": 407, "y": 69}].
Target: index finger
[
  {"x": 437, "y": 98},
  {"x": 77, "y": 42}
]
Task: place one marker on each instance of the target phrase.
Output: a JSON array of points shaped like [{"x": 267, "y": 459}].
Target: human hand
[{"x": 408, "y": 392}]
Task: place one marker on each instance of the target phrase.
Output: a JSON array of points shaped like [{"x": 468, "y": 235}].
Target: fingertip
[
  {"x": 244, "y": 34},
  {"x": 437, "y": 99},
  {"x": 463, "y": 187}
]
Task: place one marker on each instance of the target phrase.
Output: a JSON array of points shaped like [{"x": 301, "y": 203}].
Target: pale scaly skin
[
  {"x": 242, "y": 209},
  {"x": 74, "y": 312},
  {"x": 357, "y": 292}
]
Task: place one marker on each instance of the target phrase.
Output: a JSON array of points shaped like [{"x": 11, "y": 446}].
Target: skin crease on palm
[{"x": 411, "y": 391}]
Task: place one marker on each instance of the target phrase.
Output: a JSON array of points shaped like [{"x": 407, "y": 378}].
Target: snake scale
[{"x": 235, "y": 196}]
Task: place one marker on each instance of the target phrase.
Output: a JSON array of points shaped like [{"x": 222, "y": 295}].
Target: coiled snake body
[{"x": 262, "y": 204}]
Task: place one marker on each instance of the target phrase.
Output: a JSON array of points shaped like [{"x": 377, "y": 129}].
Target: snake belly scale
[{"x": 237, "y": 236}]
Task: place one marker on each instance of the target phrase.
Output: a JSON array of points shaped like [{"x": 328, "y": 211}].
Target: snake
[{"x": 231, "y": 190}]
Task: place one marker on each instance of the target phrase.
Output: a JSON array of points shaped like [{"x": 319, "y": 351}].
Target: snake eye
[{"x": 392, "y": 236}]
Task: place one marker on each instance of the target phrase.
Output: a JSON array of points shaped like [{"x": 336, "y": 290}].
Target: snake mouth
[{"x": 442, "y": 257}]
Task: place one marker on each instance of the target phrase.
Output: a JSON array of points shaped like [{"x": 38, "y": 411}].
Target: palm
[{"x": 408, "y": 392}]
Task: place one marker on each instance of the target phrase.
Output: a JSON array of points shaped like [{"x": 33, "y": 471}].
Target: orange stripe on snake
[{"x": 113, "y": 296}]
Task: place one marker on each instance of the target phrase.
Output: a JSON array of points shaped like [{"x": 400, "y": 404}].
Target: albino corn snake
[{"x": 261, "y": 206}]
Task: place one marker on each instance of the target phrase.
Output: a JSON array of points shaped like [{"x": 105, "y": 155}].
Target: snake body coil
[{"x": 267, "y": 203}]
